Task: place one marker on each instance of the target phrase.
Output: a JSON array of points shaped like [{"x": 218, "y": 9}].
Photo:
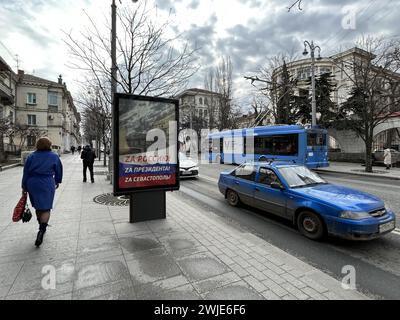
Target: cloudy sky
[{"x": 249, "y": 31}]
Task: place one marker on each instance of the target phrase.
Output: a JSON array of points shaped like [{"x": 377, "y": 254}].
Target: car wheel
[
  {"x": 311, "y": 225},
  {"x": 233, "y": 198},
  {"x": 262, "y": 159}
]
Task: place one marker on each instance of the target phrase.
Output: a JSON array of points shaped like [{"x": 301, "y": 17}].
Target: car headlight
[
  {"x": 354, "y": 215},
  {"x": 195, "y": 169}
]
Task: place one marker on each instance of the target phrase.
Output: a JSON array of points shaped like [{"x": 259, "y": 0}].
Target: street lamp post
[
  {"x": 313, "y": 102},
  {"x": 113, "y": 79}
]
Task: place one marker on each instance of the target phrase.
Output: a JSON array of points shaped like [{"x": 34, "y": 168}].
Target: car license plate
[
  {"x": 386, "y": 226},
  {"x": 187, "y": 172}
]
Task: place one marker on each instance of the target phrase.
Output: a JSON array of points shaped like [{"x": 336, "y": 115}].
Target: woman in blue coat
[{"x": 42, "y": 176}]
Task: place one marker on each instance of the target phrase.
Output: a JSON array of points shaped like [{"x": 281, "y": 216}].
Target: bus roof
[{"x": 276, "y": 129}]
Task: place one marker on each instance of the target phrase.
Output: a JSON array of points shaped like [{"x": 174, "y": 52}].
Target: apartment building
[
  {"x": 197, "y": 107},
  {"x": 31, "y": 107}
]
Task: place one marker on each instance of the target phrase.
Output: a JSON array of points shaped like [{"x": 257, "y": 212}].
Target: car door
[
  {"x": 267, "y": 198},
  {"x": 244, "y": 181}
]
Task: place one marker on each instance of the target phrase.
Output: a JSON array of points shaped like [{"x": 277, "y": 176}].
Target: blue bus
[{"x": 293, "y": 143}]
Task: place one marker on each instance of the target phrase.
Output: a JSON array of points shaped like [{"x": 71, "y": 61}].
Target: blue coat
[{"x": 42, "y": 171}]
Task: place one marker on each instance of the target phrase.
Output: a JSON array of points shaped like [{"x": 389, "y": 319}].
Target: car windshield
[{"x": 300, "y": 176}]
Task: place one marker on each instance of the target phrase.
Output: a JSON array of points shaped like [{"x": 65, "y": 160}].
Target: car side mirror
[{"x": 277, "y": 185}]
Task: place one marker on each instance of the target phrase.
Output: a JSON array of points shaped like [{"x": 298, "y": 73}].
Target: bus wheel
[
  {"x": 311, "y": 225},
  {"x": 233, "y": 198}
]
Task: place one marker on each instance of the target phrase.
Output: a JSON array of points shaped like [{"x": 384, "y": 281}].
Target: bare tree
[
  {"x": 298, "y": 2},
  {"x": 148, "y": 62},
  {"x": 275, "y": 89},
  {"x": 96, "y": 116},
  {"x": 372, "y": 71},
  {"x": 213, "y": 100},
  {"x": 223, "y": 85}
]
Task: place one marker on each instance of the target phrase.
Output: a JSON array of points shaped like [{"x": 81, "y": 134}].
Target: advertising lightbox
[{"x": 145, "y": 144}]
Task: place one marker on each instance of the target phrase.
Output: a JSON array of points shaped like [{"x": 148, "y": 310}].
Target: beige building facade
[
  {"x": 37, "y": 107},
  {"x": 195, "y": 104}
]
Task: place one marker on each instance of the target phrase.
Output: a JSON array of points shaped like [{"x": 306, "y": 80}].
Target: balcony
[{"x": 6, "y": 96}]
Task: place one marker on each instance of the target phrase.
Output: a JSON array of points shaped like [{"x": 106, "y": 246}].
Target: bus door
[{"x": 317, "y": 151}]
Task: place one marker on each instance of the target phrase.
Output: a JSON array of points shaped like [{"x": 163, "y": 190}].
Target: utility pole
[
  {"x": 113, "y": 79},
  {"x": 313, "y": 102}
]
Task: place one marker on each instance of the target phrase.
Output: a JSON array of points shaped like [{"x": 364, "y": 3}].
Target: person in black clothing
[
  {"x": 88, "y": 157},
  {"x": 79, "y": 149},
  {"x": 73, "y": 149}
]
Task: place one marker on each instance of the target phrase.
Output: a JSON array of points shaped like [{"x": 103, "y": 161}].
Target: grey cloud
[
  {"x": 166, "y": 4},
  {"x": 19, "y": 17},
  {"x": 194, "y": 4}
]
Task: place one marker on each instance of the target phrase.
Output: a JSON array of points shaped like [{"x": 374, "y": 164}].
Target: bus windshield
[
  {"x": 300, "y": 176},
  {"x": 316, "y": 139}
]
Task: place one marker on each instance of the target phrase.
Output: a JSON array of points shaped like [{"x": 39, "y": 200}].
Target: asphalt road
[{"x": 377, "y": 262}]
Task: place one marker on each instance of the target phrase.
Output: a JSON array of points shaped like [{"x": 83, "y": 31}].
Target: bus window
[
  {"x": 286, "y": 145},
  {"x": 316, "y": 139},
  {"x": 263, "y": 145}
]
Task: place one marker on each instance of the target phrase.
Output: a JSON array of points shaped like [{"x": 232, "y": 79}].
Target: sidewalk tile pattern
[{"x": 97, "y": 254}]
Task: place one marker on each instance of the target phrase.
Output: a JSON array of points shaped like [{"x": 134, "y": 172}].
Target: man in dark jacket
[{"x": 88, "y": 157}]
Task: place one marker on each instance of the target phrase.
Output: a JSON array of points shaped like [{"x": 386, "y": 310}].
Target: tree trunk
[
  {"x": 368, "y": 154},
  {"x": 2, "y": 153},
  {"x": 105, "y": 154}
]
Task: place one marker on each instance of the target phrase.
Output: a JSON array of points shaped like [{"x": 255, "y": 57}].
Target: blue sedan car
[{"x": 316, "y": 207}]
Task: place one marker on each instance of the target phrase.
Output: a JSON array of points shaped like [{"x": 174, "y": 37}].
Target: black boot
[{"x": 39, "y": 237}]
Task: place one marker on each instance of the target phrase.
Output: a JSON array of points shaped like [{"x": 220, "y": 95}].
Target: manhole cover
[
  {"x": 373, "y": 171},
  {"x": 100, "y": 173},
  {"x": 108, "y": 199}
]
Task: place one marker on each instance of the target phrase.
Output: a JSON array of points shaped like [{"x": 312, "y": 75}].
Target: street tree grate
[{"x": 108, "y": 199}]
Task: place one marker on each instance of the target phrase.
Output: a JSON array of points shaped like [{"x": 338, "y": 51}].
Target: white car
[{"x": 187, "y": 167}]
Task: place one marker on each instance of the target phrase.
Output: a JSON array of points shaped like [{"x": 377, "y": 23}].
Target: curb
[
  {"x": 377, "y": 175},
  {"x": 2, "y": 168}
]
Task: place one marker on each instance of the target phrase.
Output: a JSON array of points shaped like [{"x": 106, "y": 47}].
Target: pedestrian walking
[
  {"x": 88, "y": 157},
  {"x": 387, "y": 158},
  {"x": 42, "y": 175},
  {"x": 73, "y": 149},
  {"x": 79, "y": 149}
]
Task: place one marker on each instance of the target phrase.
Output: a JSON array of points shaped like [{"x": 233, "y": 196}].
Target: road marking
[{"x": 396, "y": 231}]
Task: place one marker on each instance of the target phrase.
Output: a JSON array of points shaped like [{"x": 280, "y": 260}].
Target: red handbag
[{"x": 20, "y": 208}]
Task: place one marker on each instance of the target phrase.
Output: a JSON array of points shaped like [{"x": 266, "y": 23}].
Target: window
[
  {"x": 246, "y": 171},
  {"x": 31, "y": 141},
  {"x": 205, "y": 113},
  {"x": 323, "y": 70},
  {"x": 31, "y": 119},
  {"x": 201, "y": 100},
  {"x": 284, "y": 145},
  {"x": 316, "y": 139},
  {"x": 31, "y": 98},
  {"x": 267, "y": 176},
  {"x": 304, "y": 73},
  {"x": 11, "y": 116},
  {"x": 52, "y": 98},
  {"x": 200, "y": 113},
  {"x": 206, "y": 101}
]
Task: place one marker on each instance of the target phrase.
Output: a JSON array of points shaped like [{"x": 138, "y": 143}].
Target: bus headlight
[{"x": 354, "y": 215}]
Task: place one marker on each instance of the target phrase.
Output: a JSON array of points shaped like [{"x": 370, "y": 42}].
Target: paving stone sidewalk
[
  {"x": 97, "y": 254},
  {"x": 359, "y": 170}
]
